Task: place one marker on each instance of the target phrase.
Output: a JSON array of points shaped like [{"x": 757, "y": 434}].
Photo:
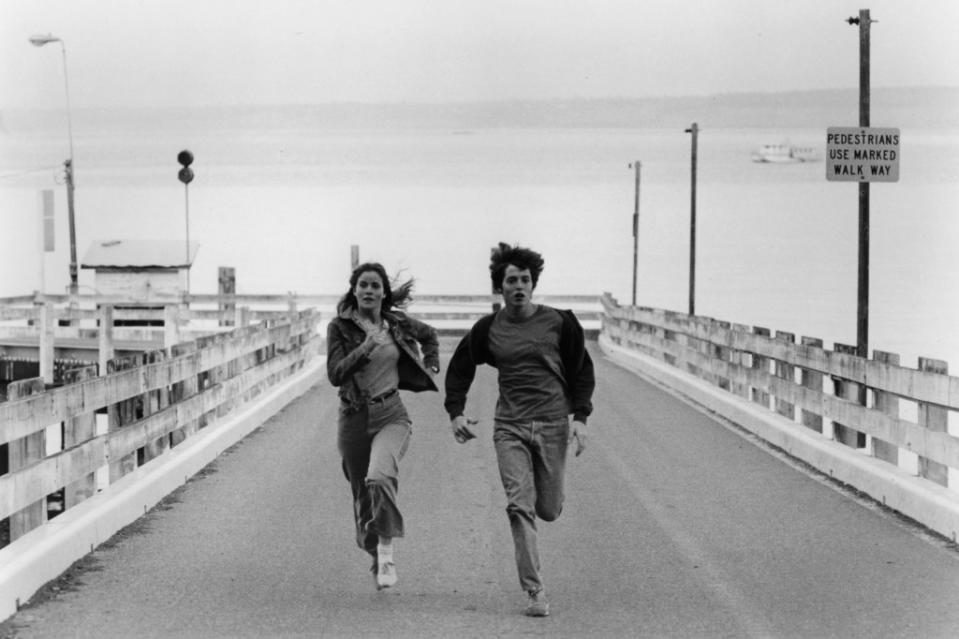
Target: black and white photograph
[{"x": 479, "y": 318}]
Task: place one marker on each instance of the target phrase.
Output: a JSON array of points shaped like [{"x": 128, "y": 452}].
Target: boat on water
[{"x": 784, "y": 153}]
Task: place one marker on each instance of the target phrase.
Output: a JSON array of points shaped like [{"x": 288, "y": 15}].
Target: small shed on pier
[{"x": 142, "y": 272}]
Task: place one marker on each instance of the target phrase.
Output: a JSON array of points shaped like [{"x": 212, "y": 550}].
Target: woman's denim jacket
[{"x": 345, "y": 355}]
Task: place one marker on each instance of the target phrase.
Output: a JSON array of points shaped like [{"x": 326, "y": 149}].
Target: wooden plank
[
  {"x": 50, "y": 474},
  {"x": 935, "y": 419},
  {"x": 23, "y": 453}
]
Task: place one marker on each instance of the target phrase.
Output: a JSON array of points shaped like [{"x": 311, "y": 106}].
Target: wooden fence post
[
  {"x": 847, "y": 390},
  {"x": 153, "y": 402},
  {"x": 46, "y": 345},
  {"x": 105, "y": 337},
  {"x": 227, "y": 293},
  {"x": 787, "y": 372},
  {"x": 812, "y": 380},
  {"x": 24, "y": 452},
  {"x": 182, "y": 390},
  {"x": 722, "y": 356},
  {"x": 739, "y": 381},
  {"x": 888, "y": 404},
  {"x": 935, "y": 418},
  {"x": 292, "y": 313},
  {"x": 672, "y": 338},
  {"x": 76, "y": 431},
  {"x": 761, "y": 364},
  {"x": 120, "y": 414},
  {"x": 171, "y": 326},
  {"x": 242, "y": 316}
]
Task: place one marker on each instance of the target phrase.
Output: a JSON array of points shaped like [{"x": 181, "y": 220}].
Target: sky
[{"x": 209, "y": 52}]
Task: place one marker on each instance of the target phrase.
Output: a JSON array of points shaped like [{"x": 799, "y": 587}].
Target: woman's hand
[{"x": 460, "y": 427}]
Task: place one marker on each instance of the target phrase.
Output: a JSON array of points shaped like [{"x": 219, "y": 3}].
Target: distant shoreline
[{"x": 911, "y": 107}]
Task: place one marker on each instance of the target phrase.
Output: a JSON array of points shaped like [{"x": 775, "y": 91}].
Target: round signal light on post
[{"x": 185, "y": 158}]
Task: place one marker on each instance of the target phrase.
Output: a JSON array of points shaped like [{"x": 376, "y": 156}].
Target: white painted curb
[
  {"x": 44, "y": 554},
  {"x": 930, "y": 504}
]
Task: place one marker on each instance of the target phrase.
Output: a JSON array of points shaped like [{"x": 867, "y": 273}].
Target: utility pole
[
  {"x": 694, "y": 129},
  {"x": 635, "y": 165},
  {"x": 862, "y": 313},
  {"x": 71, "y": 217}
]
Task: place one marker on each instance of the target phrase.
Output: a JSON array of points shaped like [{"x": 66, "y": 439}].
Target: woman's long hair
[{"x": 395, "y": 295}]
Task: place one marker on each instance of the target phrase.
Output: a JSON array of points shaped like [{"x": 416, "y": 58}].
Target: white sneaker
[
  {"x": 385, "y": 574},
  {"x": 537, "y": 605}
]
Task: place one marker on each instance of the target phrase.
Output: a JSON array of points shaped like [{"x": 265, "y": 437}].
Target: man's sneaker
[
  {"x": 537, "y": 606},
  {"x": 385, "y": 574}
]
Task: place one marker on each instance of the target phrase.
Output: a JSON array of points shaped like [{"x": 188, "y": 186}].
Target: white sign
[{"x": 862, "y": 154}]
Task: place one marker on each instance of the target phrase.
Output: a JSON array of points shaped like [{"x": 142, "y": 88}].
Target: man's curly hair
[{"x": 520, "y": 257}]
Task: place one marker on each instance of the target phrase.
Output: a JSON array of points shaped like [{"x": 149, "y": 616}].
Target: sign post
[{"x": 862, "y": 154}]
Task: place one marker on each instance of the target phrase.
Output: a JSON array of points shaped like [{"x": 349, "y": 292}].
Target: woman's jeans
[
  {"x": 532, "y": 465},
  {"x": 372, "y": 440}
]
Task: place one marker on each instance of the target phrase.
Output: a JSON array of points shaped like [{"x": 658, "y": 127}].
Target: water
[{"x": 776, "y": 245}]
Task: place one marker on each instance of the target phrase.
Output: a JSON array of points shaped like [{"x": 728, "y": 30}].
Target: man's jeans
[
  {"x": 372, "y": 440},
  {"x": 532, "y": 465}
]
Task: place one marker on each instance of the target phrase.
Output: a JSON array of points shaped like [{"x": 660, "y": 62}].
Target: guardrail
[
  {"x": 142, "y": 407},
  {"x": 450, "y": 314},
  {"x": 896, "y": 416}
]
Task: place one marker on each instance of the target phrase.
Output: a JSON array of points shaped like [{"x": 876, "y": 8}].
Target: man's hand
[
  {"x": 579, "y": 433},
  {"x": 460, "y": 427}
]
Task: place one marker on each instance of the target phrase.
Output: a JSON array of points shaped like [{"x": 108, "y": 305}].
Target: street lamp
[{"x": 39, "y": 41}]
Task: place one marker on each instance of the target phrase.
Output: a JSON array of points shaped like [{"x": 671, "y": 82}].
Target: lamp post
[{"x": 39, "y": 41}]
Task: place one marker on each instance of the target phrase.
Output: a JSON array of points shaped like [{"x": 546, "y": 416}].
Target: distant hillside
[{"x": 933, "y": 108}]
